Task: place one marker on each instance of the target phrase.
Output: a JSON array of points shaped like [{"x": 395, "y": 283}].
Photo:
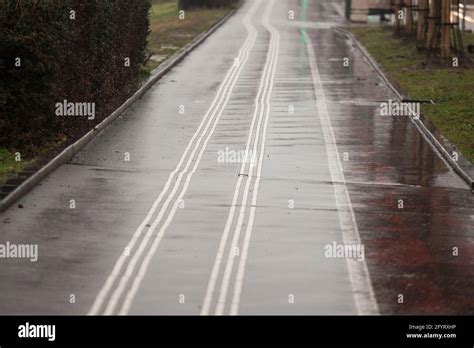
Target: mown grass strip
[
  {"x": 9, "y": 165},
  {"x": 451, "y": 88},
  {"x": 169, "y": 33}
]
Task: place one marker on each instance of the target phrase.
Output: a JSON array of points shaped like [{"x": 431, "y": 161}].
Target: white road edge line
[
  {"x": 364, "y": 297},
  {"x": 99, "y": 301},
  {"x": 223, "y": 243}
]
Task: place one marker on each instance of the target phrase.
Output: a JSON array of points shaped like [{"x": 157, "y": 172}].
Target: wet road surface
[{"x": 251, "y": 166}]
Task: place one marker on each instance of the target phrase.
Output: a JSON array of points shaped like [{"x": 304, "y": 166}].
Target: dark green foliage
[
  {"x": 79, "y": 60},
  {"x": 187, "y": 4}
]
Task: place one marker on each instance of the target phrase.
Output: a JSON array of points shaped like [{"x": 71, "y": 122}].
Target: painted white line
[
  {"x": 259, "y": 110},
  {"x": 100, "y": 299},
  {"x": 145, "y": 263},
  {"x": 235, "y": 303},
  {"x": 364, "y": 298},
  {"x": 221, "y": 302},
  {"x": 430, "y": 139},
  {"x": 223, "y": 243}
]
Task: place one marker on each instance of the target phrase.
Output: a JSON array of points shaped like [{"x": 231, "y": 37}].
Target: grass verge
[
  {"x": 452, "y": 89},
  {"x": 169, "y": 33},
  {"x": 8, "y": 164}
]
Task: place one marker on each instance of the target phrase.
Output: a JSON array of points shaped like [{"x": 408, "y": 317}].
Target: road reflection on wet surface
[{"x": 414, "y": 214}]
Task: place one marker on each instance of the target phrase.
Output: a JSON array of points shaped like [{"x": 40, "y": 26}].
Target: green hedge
[
  {"x": 78, "y": 60},
  {"x": 187, "y": 4}
]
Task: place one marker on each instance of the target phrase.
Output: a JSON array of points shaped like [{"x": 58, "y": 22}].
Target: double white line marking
[
  {"x": 261, "y": 115},
  {"x": 121, "y": 293}
]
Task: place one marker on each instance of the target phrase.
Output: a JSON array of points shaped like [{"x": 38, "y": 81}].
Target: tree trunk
[
  {"x": 421, "y": 24},
  {"x": 397, "y": 10},
  {"x": 445, "y": 29},
  {"x": 409, "y": 17},
  {"x": 430, "y": 37}
]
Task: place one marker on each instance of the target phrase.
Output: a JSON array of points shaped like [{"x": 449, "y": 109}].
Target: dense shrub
[
  {"x": 62, "y": 58},
  {"x": 187, "y": 4}
]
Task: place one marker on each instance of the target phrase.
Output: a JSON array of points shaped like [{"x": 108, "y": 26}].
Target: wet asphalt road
[{"x": 191, "y": 226}]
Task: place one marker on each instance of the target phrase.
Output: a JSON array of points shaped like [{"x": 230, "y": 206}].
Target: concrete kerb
[
  {"x": 69, "y": 152},
  {"x": 425, "y": 132}
]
